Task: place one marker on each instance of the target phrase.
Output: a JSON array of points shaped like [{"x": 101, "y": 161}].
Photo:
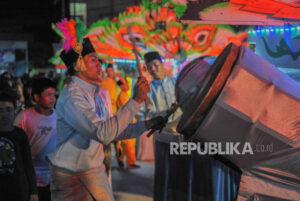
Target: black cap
[
  {"x": 70, "y": 57},
  {"x": 150, "y": 56},
  {"x": 119, "y": 83},
  {"x": 109, "y": 65}
]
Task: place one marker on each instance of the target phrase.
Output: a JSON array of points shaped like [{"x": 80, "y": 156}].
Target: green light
[
  {"x": 276, "y": 30},
  {"x": 293, "y": 28}
]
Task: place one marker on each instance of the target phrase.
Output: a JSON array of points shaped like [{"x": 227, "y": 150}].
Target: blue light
[
  {"x": 281, "y": 29},
  {"x": 272, "y": 30},
  {"x": 287, "y": 29}
]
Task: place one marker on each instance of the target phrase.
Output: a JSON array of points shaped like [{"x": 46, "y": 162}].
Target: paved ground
[{"x": 133, "y": 184}]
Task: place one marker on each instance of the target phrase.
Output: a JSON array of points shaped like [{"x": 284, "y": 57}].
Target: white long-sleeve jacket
[{"x": 84, "y": 125}]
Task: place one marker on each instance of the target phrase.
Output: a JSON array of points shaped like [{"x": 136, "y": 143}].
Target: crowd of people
[{"x": 56, "y": 144}]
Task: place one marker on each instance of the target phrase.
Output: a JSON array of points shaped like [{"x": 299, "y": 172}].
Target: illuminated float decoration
[{"x": 156, "y": 27}]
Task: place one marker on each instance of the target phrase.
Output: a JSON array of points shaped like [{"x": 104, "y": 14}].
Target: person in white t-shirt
[{"x": 39, "y": 123}]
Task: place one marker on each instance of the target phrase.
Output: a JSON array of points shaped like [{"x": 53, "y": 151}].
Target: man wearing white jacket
[{"x": 84, "y": 124}]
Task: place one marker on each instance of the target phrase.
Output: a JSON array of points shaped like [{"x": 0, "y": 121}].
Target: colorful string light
[{"x": 272, "y": 30}]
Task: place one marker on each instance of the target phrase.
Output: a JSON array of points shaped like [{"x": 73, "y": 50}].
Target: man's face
[
  {"x": 156, "y": 69},
  {"x": 93, "y": 67},
  {"x": 47, "y": 98},
  {"x": 124, "y": 87},
  {"x": 110, "y": 73},
  {"x": 7, "y": 113}
]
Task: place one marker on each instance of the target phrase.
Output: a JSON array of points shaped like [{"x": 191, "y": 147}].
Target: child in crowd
[
  {"x": 39, "y": 123},
  {"x": 17, "y": 177}
]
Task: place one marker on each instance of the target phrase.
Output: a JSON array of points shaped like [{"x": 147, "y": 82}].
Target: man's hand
[
  {"x": 157, "y": 123},
  {"x": 141, "y": 88},
  {"x": 34, "y": 197}
]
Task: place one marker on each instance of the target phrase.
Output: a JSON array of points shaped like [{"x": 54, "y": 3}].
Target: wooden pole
[{"x": 135, "y": 51}]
